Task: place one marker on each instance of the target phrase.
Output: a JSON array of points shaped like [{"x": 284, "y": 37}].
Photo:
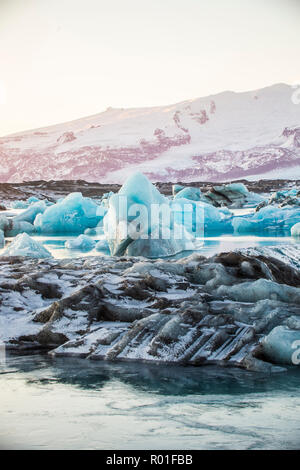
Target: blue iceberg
[
  {"x": 81, "y": 243},
  {"x": 73, "y": 214},
  {"x": 194, "y": 194},
  {"x": 30, "y": 214},
  {"x": 24, "y": 245},
  {"x": 102, "y": 245},
  {"x": 139, "y": 221},
  {"x": 268, "y": 219}
]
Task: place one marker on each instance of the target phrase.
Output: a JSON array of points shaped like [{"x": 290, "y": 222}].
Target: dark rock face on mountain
[{"x": 193, "y": 311}]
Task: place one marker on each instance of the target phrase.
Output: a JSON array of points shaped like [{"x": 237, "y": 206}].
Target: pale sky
[{"x": 65, "y": 59}]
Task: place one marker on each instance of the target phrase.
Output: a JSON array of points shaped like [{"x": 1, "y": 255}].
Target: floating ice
[
  {"x": 176, "y": 188},
  {"x": 19, "y": 205},
  {"x": 82, "y": 243},
  {"x": 295, "y": 230},
  {"x": 268, "y": 219},
  {"x": 33, "y": 199},
  {"x": 102, "y": 245},
  {"x": 141, "y": 216},
  {"x": 24, "y": 245},
  {"x": 193, "y": 194},
  {"x": 94, "y": 231},
  {"x": 72, "y": 214},
  {"x": 15, "y": 227},
  {"x": 282, "y": 346},
  {"x": 30, "y": 214},
  {"x": 200, "y": 217}
]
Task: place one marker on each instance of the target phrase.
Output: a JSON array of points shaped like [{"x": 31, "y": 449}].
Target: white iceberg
[
  {"x": 81, "y": 243},
  {"x": 24, "y": 245}
]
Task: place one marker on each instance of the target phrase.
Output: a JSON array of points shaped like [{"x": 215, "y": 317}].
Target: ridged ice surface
[{"x": 192, "y": 311}]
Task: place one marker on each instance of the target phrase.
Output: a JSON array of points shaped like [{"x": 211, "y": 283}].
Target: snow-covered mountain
[{"x": 221, "y": 137}]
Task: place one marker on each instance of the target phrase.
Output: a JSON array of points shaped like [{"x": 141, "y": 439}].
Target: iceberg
[
  {"x": 282, "y": 346},
  {"x": 102, "y": 245},
  {"x": 73, "y": 214},
  {"x": 194, "y": 194},
  {"x": 176, "y": 188},
  {"x": 201, "y": 218},
  {"x": 82, "y": 243},
  {"x": 295, "y": 230},
  {"x": 140, "y": 216},
  {"x": 2, "y": 239},
  {"x": 12, "y": 227},
  {"x": 94, "y": 231},
  {"x": 15, "y": 227},
  {"x": 268, "y": 219},
  {"x": 19, "y": 205},
  {"x": 32, "y": 199},
  {"x": 24, "y": 245},
  {"x": 30, "y": 214}
]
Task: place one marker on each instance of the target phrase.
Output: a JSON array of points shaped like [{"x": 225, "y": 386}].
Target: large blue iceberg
[
  {"x": 140, "y": 222},
  {"x": 72, "y": 214}
]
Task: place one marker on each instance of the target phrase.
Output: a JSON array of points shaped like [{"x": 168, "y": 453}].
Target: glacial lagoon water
[{"x": 55, "y": 403}]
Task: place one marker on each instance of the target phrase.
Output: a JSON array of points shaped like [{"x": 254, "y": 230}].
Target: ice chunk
[
  {"x": 33, "y": 199},
  {"x": 102, "y": 245},
  {"x": 94, "y": 231},
  {"x": 238, "y": 187},
  {"x": 268, "y": 219},
  {"x": 2, "y": 239},
  {"x": 259, "y": 290},
  {"x": 295, "y": 230},
  {"x": 200, "y": 217},
  {"x": 72, "y": 214},
  {"x": 135, "y": 206},
  {"x": 82, "y": 243},
  {"x": 193, "y": 194},
  {"x": 15, "y": 227},
  {"x": 282, "y": 346},
  {"x": 30, "y": 214},
  {"x": 19, "y": 205},
  {"x": 24, "y": 245},
  {"x": 160, "y": 248},
  {"x": 176, "y": 188}
]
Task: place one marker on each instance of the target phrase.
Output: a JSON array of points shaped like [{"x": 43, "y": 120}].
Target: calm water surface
[{"x": 66, "y": 403}]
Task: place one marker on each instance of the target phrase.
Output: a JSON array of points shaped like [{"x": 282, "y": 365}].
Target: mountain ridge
[{"x": 218, "y": 137}]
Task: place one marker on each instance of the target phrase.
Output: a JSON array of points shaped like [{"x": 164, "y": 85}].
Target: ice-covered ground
[{"x": 195, "y": 310}]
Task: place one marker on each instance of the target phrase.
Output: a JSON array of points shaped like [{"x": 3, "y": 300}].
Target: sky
[{"x": 65, "y": 59}]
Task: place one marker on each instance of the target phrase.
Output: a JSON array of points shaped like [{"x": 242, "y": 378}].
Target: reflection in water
[{"x": 76, "y": 403}]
